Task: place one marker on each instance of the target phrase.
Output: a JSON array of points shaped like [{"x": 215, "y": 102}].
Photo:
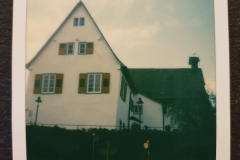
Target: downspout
[{"x": 129, "y": 109}]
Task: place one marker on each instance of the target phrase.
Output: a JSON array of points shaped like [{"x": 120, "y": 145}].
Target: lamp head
[
  {"x": 140, "y": 102},
  {"x": 39, "y": 100}
]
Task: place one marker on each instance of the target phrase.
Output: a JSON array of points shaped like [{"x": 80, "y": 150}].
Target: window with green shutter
[
  {"x": 48, "y": 83},
  {"x": 94, "y": 83}
]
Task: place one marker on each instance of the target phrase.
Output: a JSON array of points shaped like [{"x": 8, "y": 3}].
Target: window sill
[
  {"x": 93, "y": 93},
  {"x": 47, "y": 93}
]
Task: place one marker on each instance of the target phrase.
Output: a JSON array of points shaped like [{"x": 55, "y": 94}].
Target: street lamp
[
  {"x": 38, "y": 101},
  {"x": 140, "y": 109},
  {"x": 95, "y": 138}
]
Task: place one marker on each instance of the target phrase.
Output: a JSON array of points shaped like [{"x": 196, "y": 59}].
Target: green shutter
[
  {"x": 82, "y": 83},
  {"x": 121, "y": 91},
  {"x": 131, "y": 105},
  {"x": 125, "y": 91},
  {"x": 37, "y": 84},
  {"x": 62, "y": 49},
  {"x": 89, "y": 47},
  {"x": 105, "y": 82},
  {"x": 59, "y": 83}
]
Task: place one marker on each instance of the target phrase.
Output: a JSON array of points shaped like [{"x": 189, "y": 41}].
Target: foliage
[
  {"x": 195, "y": 118},
  {"x": 45, "y": 143}
]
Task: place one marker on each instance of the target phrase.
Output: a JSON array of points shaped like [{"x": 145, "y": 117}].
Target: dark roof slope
[{"x": 160, "y": 84}]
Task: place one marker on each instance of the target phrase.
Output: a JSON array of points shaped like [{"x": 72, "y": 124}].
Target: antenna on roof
[{"x": 194, "y": 54}]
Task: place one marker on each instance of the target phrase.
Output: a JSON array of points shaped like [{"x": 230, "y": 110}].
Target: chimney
[{"x": 193, "y": 61}]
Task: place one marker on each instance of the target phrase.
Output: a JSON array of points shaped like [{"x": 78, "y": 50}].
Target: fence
[{"x": 77, "y": 126}]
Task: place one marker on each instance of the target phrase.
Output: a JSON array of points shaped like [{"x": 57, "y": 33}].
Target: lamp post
[
  {"x": 38, "y": 101},
  {"x": 107, "y": 149},
  {"x": 95, "y": 138},
  {"x": 140, "y": 107}
]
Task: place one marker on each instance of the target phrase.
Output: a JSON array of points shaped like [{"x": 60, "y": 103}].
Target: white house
[{"x": 82, "y": 83}]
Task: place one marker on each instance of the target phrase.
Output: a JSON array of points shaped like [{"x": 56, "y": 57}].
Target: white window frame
[
  {"x": 81, "y": 23},
  {"x": 79, "y": 48},
  {"x": 68, "y": 44},
  {"x": 48, "y": 83},
  {"x": 100, "y": 90},
  {"x": 75, "y": 20},
  {"x": 139, "y": 109}
]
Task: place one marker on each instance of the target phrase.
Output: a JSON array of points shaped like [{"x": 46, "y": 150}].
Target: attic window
[
  {"x": 69, "y": 48},
  {"x": 81, "y": 21},
  {"x": 82, "y": 48},
  {"x": 75, "y": 22}
]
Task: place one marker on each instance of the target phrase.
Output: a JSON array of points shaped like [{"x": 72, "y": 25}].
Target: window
[
  {"x": 48, "y": 83},
  {"x": 75, "y": 22},
  {"x": 123, "y": 91},
  {"x": 81, "y": 21},
  {"x": 82, "y": 48},
  {"x": 137, "y": 109},
  {"x": 69, "y": 48},
  {"x": 66, "y": 48},
  {"x": 94, "y": 83}
]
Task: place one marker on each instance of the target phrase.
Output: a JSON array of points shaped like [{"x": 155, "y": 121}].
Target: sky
[{"x": 142, "y": 33}]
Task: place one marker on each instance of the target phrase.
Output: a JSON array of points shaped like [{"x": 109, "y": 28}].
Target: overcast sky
[{"x": 142, "y": 33}]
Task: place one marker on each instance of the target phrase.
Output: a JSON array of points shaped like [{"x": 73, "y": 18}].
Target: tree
[{"x": 196, "y": 119}]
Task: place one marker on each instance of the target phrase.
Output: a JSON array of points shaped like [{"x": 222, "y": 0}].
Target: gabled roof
[
  {"x": 59, "y": 28},
  {"x": 162, "y": 84}
]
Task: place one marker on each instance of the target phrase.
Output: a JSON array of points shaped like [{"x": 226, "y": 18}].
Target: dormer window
[
  {"x": 81, "y": 21},
  {"x": 75, "y": 22}
]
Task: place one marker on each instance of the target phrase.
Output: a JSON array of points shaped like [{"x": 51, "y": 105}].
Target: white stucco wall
[
  {"x": 123, "y": 106},
  {"x": 71, "y": 107},
  {"x": 152, "y": 113}
]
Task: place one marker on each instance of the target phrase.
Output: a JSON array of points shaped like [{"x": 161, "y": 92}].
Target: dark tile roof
[{"x": 160, "y": 84}]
